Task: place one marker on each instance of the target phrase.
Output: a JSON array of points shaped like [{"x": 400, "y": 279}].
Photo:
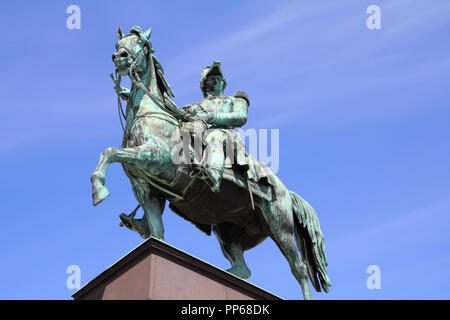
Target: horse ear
[
  {"x": 148, "y": 33},
  {"x": 119, "y": 33}
]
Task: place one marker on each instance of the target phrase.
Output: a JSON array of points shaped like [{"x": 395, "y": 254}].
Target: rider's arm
[{"x": 237, "y": 117}]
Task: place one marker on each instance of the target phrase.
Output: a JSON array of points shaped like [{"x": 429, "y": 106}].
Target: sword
[{"x": 251, "y": 194}]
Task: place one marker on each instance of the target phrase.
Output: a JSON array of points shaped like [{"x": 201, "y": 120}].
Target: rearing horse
[{"x": 152, "y": 120}]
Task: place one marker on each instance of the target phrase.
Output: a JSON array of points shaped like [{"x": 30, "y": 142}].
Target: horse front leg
[
  {"x": 151, "y": 157},
  {"x": 99, "y": 191}
]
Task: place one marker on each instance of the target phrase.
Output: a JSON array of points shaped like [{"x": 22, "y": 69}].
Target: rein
[
  {"x": 156, "y": 113},
  {"x": 119, "y": 103},
  {"x": 167, "y": 105}
]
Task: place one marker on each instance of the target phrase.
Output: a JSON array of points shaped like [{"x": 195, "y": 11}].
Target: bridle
[{"x": 166, "y": 105}]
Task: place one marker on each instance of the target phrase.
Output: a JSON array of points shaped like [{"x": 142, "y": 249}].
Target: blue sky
[{"x": 364, "y": 134}]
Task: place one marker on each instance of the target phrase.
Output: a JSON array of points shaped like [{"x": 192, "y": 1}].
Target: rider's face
[{"x": 214, "y": 85}]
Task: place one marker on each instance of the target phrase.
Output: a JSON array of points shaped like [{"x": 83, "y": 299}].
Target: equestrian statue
[{"x": 192, "y": 158}]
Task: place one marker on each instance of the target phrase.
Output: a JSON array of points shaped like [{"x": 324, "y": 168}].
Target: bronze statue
[{"x": 244, "y": 207}]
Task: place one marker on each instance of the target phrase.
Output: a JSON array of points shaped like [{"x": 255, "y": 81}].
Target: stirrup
[
  {"x": 212, "y": 183},
  {"x": 210, "y": 180},
  {"x": 203, "y": 173}
]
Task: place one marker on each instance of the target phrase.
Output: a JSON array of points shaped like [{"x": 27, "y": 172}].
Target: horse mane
[{"x": 164, "y": 87}]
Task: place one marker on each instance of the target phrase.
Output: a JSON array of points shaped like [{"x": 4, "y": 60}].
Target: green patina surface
[{"x": 239, "y": 221}]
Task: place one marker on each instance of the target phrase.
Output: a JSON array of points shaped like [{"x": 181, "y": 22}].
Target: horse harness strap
[
  {"x": 173, "y": 111},
  {"x": 146, "y": 114},
  {"x": 119, "y": 103}
]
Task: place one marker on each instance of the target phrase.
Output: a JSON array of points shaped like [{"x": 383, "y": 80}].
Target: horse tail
[{"x": 310, "y": 242}]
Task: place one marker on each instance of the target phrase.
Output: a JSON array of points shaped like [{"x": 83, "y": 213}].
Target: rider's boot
[
  {"x": 210, "y": 173},
  {"x": 212, "y": 165}
]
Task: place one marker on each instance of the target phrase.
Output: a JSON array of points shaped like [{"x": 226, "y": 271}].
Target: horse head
[{"x": 132, "y": 53}]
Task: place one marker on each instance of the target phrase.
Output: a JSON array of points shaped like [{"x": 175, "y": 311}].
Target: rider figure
[{"x": 221, "y": 113}]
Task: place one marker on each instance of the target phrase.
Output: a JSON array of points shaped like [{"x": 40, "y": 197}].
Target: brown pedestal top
[{"x": 157, "y": 271}]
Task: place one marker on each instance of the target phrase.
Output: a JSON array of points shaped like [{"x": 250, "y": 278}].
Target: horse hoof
[
  {"x": 144, "y": 236},
  {"x": 241, "y": 273},
  {"x": 99, "y": 195},
  {"x": 125, "y": 221}
]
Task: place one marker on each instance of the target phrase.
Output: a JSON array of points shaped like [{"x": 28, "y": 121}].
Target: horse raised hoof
[{"x": 100, "y": 194}]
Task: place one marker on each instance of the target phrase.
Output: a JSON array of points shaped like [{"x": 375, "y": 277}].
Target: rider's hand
[
  {"x": 210, "y": 117},
  {"x": 124, "y": 93}
]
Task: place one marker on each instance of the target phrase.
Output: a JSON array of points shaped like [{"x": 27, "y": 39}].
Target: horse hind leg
[
  {"x": 229, "y": 236},
  {"x": 153, "y": 206},
  {"x": 282, "y": 233},
  {"x": 151, "y": 223}
]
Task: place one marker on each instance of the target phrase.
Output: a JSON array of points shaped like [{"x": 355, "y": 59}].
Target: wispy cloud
[
  {"x": 342, "y": 60},
  {"x": 401, "y": 233},
  {"x": 312, "y": 55},
  {"x": 235, "y": 42}
]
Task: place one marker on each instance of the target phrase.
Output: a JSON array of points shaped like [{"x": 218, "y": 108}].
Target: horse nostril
[{"x": 120, "y": 54}]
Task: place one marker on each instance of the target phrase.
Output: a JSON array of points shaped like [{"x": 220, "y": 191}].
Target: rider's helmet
[{"x": 214, "y": 69}]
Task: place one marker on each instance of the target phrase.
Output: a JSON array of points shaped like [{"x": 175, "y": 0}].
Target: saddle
[{"x": 240, "y": 167}]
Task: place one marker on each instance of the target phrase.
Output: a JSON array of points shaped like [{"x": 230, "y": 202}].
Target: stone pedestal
[{"x": 157, "y": 271}]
